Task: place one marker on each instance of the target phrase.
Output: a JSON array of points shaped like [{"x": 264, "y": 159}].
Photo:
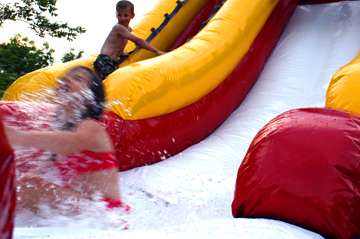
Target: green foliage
[
  {"x": 34, "y": 13},
  {"x": 69, "y": 56},
  {"x": 20, "y": 56}
]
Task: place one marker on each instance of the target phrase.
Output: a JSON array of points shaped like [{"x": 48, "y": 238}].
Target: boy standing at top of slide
[{"x": 115, "y": 43}]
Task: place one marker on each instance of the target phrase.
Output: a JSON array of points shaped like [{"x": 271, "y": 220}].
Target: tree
[
  {"x": 34, "y": 13},
  {"x": 69, "y": 56},
  {"x": 20, "y": 56}
]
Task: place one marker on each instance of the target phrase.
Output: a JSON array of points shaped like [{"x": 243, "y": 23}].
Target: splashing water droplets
[
  {"x": 71, "y": 105},
  {"x": 54, "y": 109}
]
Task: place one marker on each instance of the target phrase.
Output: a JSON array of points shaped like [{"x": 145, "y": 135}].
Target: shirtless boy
[{"x": 115, "y": 43}]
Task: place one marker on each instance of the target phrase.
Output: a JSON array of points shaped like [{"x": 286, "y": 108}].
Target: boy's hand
[{"x": 160, "y": 52}]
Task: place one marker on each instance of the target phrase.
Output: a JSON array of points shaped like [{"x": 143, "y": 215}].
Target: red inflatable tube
[
  {"x": 28, "y": 116},
  {"x": 148, "y": 141},
  {"x": 7, "y": 186},
  {"x": 303, "y": 168},
  {"x": 195, "y": 25}
]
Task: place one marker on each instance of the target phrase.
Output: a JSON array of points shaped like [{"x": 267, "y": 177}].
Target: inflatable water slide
[{"x": 158, "y": 106}]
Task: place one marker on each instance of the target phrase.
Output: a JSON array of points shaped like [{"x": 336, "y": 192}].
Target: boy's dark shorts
[{"x": 104, "y": 65}]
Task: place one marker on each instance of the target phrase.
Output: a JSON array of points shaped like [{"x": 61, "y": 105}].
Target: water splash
[{"x": 55, "y": 109}]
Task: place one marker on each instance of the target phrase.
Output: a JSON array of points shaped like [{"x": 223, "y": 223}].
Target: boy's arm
[{"x": 138, "y": 41}]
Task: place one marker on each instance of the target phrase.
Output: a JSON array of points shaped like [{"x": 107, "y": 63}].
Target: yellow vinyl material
[
  {"x": 166, "y": 83},
  {"x": 177, "y": 79},
  {"x": 35, "y": 83},
  {"x": 344, "y": 88}
]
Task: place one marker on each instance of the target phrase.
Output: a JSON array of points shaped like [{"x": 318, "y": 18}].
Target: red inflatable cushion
[
  {"x": 28, "y": 116},
  {"x": 303, "y": 168},
  {"x": 7, "y": 186}
]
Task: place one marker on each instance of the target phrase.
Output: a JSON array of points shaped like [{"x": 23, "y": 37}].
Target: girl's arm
[{"x": 88, "y": 136}]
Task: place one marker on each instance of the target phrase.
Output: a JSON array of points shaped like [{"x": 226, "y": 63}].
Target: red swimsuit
[{"x": 86, "y": 162}]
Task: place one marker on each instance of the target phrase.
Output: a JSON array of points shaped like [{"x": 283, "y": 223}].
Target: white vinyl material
[{"x": 190, "y": 194}]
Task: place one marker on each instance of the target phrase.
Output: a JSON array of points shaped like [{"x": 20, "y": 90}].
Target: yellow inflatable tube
[
  {"x": 34, "y": 83},
  {"x": 170, "y": 82},
  {"x": 344, "y": 88}
]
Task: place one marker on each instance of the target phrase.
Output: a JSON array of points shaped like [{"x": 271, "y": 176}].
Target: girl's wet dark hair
[{"x": 96, "y": 87}]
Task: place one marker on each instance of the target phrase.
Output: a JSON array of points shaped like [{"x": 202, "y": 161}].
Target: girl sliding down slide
[{"x": 81, "y": 150}]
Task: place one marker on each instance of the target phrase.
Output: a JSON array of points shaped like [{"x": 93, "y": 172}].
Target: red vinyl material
[
  {"x": 195, "y": 25},
  {"x": 28, "y": 116},
  {"x": 303, "y": 168},
  {"x": 7, "y": 186}
]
